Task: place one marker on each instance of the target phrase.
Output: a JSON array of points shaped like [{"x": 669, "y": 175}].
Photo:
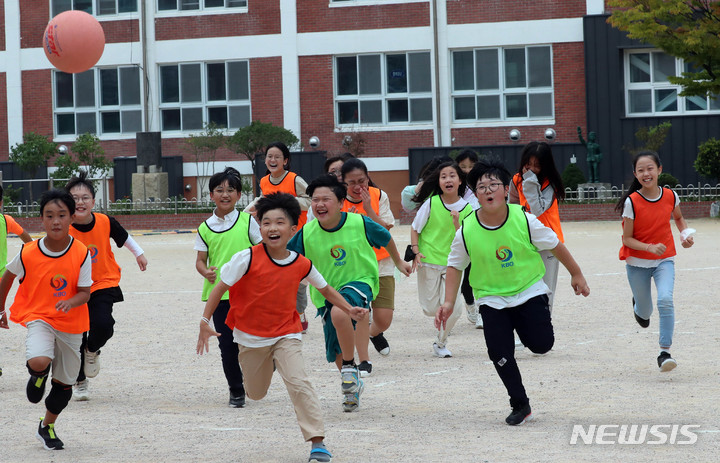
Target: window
[
  {"x": 184, "y": 5},
  {"x": 96, "y": 7},
  {"x": 648, "y": 91},
  {"x": 192, "y": 94},
  {"x": 383, "y": 89},
  {"x": 100, "y": 101},
  {"x": 497, "y": 84}
]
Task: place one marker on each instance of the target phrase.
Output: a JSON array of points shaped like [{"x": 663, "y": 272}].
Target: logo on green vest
[
  {"x": 504, "y": 255},
  {"x": 338, "y": 253}
]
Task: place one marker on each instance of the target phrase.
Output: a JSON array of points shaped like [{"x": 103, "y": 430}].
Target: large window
[
  {"x": 497, "y": 84},
  {"x": 648, "y": 91},
  {"x": 383, "y": 89},
  {"x": 96, "y": 7},
  {"x": 182, "y": 5},
  {"x": 193, "y": 94},
  {"x": 100, "y": 101}
]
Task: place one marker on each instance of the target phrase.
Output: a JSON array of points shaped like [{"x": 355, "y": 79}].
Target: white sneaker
[
  {"x": 441, "y": 352},
  {"x": 472, "y": 312},
  {"x": 80, "y": 391},
  {"x": 92, "y": 363},
  {"x": 479, "y": 322}
]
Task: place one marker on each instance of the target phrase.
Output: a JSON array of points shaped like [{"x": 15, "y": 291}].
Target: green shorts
[{"x": 357, "y": 294}]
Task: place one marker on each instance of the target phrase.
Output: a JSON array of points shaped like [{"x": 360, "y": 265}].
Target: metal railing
[{"x": 690, "y": 192}]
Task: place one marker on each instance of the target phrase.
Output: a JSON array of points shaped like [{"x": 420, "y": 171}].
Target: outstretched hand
[{"x": 204, "y": 336}]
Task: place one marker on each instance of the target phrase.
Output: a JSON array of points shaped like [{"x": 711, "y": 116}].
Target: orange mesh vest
[
  {"x": 551, "y": 217},
  {"x": 48, "y": 280},
  {"x": 651, "y": 225},
  {"x": 105, "y": 270},
  {"x": 262, "y": 302},
  {"x": 287, "y": 185},
  {"x": 375, "y": 193}
]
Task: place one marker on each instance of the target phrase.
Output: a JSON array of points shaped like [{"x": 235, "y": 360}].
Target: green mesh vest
[
  {"x": 223, "y": 245},
  {"x": 504, "y": 261},
  {"x": 437, "y": 235}
]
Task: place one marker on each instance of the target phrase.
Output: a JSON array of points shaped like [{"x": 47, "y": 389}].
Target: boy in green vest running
[
  {"x": 503, "y": 243},
  {"x": 219, "y": 238},
  {"x": 340, "y": 245}
]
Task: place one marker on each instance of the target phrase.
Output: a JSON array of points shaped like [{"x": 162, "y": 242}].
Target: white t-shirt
[
  {"x": 233, "y": 271},
  {"x": 541, "y": 237},
  {"x": 84, "y": 281},
  {"x": 629, "y": 212},
  {"x": 218, "y": 225}
]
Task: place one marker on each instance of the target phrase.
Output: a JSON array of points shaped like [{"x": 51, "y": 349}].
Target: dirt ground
[{"x": 155, "y": 400}]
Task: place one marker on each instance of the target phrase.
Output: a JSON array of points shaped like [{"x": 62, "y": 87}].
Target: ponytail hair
[{"x": 431, "y": 185}]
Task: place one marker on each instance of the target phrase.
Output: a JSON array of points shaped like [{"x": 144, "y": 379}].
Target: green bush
[
  {"x": 666, "y": 179},
  {"x": 572, "y": 176},
  {"x": 707, "y": 163}
]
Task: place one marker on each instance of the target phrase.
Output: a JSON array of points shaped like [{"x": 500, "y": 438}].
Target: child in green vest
[
  {"x": 340, "y": 245},
  {"x": 432, "y": 232},
  {"x": 503, "y": 243},
  {"x": 219, "y": 238}
]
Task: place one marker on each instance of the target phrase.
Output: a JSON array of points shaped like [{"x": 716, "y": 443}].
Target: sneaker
[
  {"x": 237, "y": 401},
  {"x": 46, "y": 435},
  {"x": 350, "y": 379},
  {"x": 479, "y": 322},
  {"x": 304, "y": 323},
  {"x": 352, "y": 399},
  {"x": 320, "y": 455},
  {"x": 666, "y": 362},
  {"x": 472, "y": 313},
  {"x": 441, "y": 352},
  {"x": 80, "y": 391},
  {"x": 365, "y": 368},
  {"x": 519, "y": 415},
  {"x": 0, "y": 371},
  {"x": 381, "y": 344},
  {"x": 35, "y": 389},
  {"x": 92, "y": 363}
]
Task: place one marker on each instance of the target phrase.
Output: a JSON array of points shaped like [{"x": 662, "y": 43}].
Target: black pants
[
  {"x": 465, "y": 288},
  {"x": 100, "y": 307},
  {"x": 228, "y": 350},
  {"x": 532, "y": 322}
]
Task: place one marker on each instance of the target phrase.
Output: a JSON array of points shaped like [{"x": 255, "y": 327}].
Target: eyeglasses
[
  {"x": 82, "y": 199},
  {"x": 492, "y": 188}
]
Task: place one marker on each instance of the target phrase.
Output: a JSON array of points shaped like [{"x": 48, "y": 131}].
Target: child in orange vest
[
  {"x": 55, "y": 275},
  {"x": 95, "y": 230}
]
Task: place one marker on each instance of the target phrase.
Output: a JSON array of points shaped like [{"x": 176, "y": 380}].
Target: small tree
[
  {"x": 32, "y": 154},
  {"x": 354, "y": 143},
  {"x": 85, "y": 152},
  {"x": 204, "y": 147},
  {"x": 668, "y": 180},
  {"x": 572, "y": 176},
  {"x": 707, "y": 163},
  {"x": 651, "y": 138}
]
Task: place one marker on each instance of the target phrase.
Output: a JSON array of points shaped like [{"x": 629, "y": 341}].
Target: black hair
[
  {"x": 230, "y": 175},
  {"x": 329, "y": 181},
  {"x": 1, "y": 192},
  {"x": 331, "y": 161},
  {"x": 355, "y": 163},
  {"x": 56, "y": 195},
  {"x": 282, "y": 147},
  {"x": 431, "y": 185},
  {"x": 491, "y": 167},
  {"x": 431, "y": 165},
  {"x": 81, "y": 180},
  {"x": 467, "y": 154},
  {"x": 635, "y": 185},
  {"x": 543, "y": 153},
  {"x": 283, "y": 201}
]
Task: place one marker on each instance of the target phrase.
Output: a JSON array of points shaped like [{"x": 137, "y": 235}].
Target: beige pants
[
  {"x": 257, "y": 367},
  {"x": 431, "y": 294}
]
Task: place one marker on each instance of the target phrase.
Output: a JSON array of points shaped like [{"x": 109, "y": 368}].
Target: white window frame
[
  {"x": 343, "y": 3},
  {"x": 94, "y": 8},
  {"x": 205, "y": 103},
  {"x": 202, "y": 9},
  {"x": 98, "y": 108},
  {"x": 384, "y": 96},
  {"x": 711, "y": 106},
  {"x": 502, "y": 91}
]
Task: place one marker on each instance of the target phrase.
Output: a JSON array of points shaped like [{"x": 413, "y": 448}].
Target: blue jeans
[{"x": 664, "y": 276}]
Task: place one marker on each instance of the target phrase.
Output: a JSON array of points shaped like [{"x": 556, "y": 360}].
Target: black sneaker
[
  {"x": 381, "y": 344},
  {"x": 519, "y": 415},
  {"x": 666, "y": 362},
  {"x": 365, "y": 368},
  {"x": 46, "y": 435},
  {"x": 237, "y": 401},
  {"x": 641, "y": 321},
  {"x": 36, "y": 388}
]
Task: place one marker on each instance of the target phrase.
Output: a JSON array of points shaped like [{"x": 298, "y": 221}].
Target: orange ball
[{"x": 73, "y": 41}]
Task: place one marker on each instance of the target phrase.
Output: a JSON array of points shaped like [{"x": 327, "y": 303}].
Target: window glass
[
  {"x": 397, "y": 110},
  {"x": 464, "y": 108},
  {"x": 370, "y": 76},
  {"x": 370, "y": 112},
  {"x": 514, "y": 67},
  {"x": 85, "y": 89},
  {"x": 421, "y": 110},
  {"x": 516, "y": 106},
  {"x": 420, "y": 76},
  {"x": 488, "y": 107},
  {"x": 216, "y": 82},
  {"x": 486, "y": 69},
  {"x": 64, "y": 91},
  {"x": 396, "y": 74},
  {"x": 190, "y": 83},
  {"x": 238, "y": 85},
  {"x": 539, "y": 67},
  {"x": 130, "y": 85},
  {"x": 169, "y": 84},
  {"x": 109, "y": 87},
  {"x": 463, "y": 70},
  {"x": 663, "y": 67},
  {"x": 640, "y": 67},
  {"x": 346, "y": 75}
]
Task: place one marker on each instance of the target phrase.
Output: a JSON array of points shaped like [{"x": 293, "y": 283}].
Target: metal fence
[{"x": 689, "y": 192}]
